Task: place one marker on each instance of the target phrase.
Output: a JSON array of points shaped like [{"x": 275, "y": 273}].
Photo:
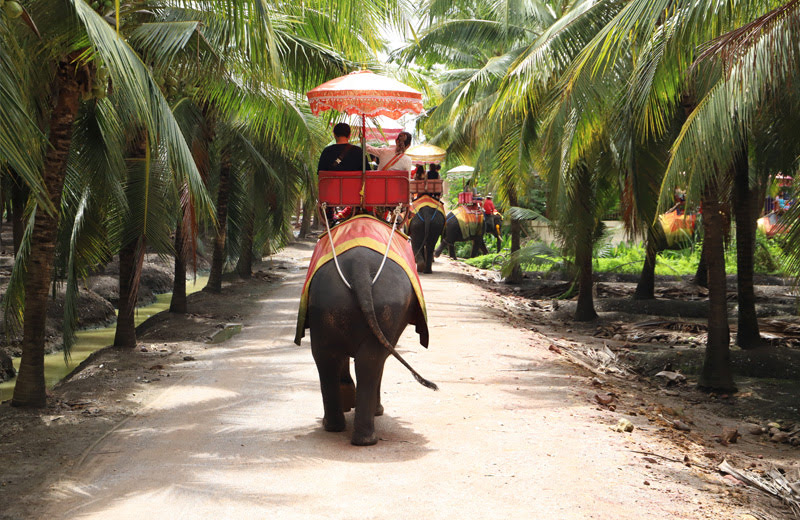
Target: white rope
[
  {"x": 333, "y": 247},
  {"x": 388, "y": 244}
]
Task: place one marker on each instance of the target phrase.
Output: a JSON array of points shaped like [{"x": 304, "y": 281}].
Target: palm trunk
[
  {"x": 585, "y": 310},
  {"x": 716, "y": 372},
  {"x": 30, "y": 390},
  {"x": 305, "y": 224},
  {"x": 748, "y": 335},
  {"x": 516, "y": 239},
  {"x": 131, "y": 257},
  {"x": 214, "y": 284},
  {"x": 583, "y": 245},
  {"x": 177, "y": 303},
  {"x": 646, "y": 288},
  {"x": 701, "y": 275},
  {"x": 244, "y": 266}
]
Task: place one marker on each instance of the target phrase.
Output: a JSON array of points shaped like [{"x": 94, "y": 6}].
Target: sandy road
[{"x": 511, "y": 434}]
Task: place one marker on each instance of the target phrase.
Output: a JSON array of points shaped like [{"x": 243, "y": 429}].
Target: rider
[{"x": 394, "y": 158}]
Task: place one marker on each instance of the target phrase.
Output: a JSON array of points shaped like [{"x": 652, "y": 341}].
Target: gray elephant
[
  {"x": 493, "y": 224},
  {"x": 363, "y": 322},
  {"x": 425, "y": 227},
  {"x": 462, "y": 225}
]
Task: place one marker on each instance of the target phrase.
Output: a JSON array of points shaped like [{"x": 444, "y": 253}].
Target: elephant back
[
  {"x": 426, "y": 201},
  {"x": 470, "y": 222},
  {"x": 360, "y": 231}
]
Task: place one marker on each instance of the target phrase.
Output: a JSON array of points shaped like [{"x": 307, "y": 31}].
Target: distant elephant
[
  {"x": 363, "y": 322},
  {"x": 462, "y": 225},
  {"x": 425, "y": 227},
  {"x": 493, "y": 224}
]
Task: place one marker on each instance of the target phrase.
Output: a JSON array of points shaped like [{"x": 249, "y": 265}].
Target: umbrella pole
[{"x": 363, "y": 160}]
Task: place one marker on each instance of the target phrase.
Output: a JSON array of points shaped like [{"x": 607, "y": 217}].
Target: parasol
[
  {"x": 460, "y": 172},
  {"x": 366, "y": 94},
  {"x": 426, "y": 153}
]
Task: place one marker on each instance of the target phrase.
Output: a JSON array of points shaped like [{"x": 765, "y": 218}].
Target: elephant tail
[{"x": 362, "y": 287}]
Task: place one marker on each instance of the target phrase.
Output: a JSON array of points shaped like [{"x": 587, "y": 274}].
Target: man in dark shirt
[
  {"x": 433, "y": 171},
  {"x": 341, "y": 156}
]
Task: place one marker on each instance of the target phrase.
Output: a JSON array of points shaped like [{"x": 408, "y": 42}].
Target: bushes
[{"x": 628, "y": 258}]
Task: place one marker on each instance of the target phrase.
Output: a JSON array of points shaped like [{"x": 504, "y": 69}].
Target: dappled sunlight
[{"x": 185, "y": 395}]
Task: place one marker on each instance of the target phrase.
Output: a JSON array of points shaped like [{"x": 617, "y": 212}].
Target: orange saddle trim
[
  {"x": 362, "y": 231},
  {"x": 426, "y": 201}
]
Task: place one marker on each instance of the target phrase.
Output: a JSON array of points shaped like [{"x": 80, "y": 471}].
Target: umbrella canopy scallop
[{"x": 367, "y": 94}]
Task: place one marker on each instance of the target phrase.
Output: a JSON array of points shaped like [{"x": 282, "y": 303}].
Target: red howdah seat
[
  {"x": 433, "y": 186},
  {"x": 382, "y": 188}
]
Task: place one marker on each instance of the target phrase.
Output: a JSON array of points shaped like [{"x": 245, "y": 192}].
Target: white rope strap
[
  {"x": 333, "y": 246},
  {"x": 396, "y": 215}
]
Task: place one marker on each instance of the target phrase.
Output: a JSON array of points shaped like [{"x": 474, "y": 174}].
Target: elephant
[
  {"x": 453, "y": 232},
  {"x": 425, "y": 227},
  {"x": 362, "y": 322},
  {"x": 493, "y": 225}
]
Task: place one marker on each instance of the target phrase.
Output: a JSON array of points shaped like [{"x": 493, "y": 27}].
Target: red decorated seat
[
  {"x": 433, "y": 186},
  {"x": 382, "y": 188}
]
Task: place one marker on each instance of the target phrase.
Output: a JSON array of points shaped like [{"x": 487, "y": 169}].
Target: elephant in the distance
[
  {"x": 493, "y": 224},
  {"x": 425, "y": 227},
  {"x": 363, "y": 322},
  {"x": 462, "y": 225}
]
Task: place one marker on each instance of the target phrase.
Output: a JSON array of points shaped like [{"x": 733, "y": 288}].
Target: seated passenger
[{"x": 394, "y": 158}]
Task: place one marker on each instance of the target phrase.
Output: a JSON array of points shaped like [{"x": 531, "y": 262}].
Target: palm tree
[{"x": 65, "y": 26}]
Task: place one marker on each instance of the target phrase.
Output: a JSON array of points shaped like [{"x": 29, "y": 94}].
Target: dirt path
[{"x": 512, "y": 433}]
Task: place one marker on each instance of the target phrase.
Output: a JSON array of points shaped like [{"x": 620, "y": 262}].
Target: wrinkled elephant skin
[
  {"x": 452, "y": 235},
  {"x": 339, "y": 320},
  {"x": 425, "y": 228}
]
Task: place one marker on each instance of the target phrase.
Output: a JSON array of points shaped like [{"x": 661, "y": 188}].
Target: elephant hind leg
[
  {"x": 330, "y": 372},
  {"x": 347, "y": 388},
  {"x": 369, "y": 369}
]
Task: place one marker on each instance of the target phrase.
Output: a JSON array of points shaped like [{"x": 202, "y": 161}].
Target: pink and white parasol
[{"x": 367, "y": 94}]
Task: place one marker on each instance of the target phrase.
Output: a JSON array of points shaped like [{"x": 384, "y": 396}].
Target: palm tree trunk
[
  {"x": 177, "y": 303},
  {"x": 646, "y": 288},
  {"x": 516, "y": 238},
  {"x": 244, "y": 266},
  {"x": 214, "y": 284},
  {"x": 583, "y": 244},
  {"x": 30, "y": 390},
  {"x": 585, "y": 310},
  {"x": 305, "y": 224},
  {"x": 131, "y": 257},
  {"x": 716, "y": 373},
  {"x": 701, "y": 275},
  {"x": 748, "y": 335}
]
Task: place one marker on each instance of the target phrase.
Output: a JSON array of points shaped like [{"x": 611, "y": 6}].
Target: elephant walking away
[
  {"x": 425, "y": 226},
  {"x": 362, "y": 321},
  {"x": 463, "y": 224}
]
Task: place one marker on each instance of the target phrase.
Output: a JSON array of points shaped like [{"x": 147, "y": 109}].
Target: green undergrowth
[{"x": 628, "y": 258}]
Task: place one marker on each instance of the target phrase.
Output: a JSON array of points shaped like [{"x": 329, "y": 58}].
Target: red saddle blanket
[
  {"x": 470, "y": 222},
  {"x": 426, "y": 201},
  {"x": 364, "y": 231}
]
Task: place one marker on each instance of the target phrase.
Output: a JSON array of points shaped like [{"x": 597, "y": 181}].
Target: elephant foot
[
  {"x": 334, "y": 425},
  {"x": 379, "y": 410},
  {"x": 360, "y": 439},
  {"x": 347, "y": 393},
  {"x": 428, "y": 271}
]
